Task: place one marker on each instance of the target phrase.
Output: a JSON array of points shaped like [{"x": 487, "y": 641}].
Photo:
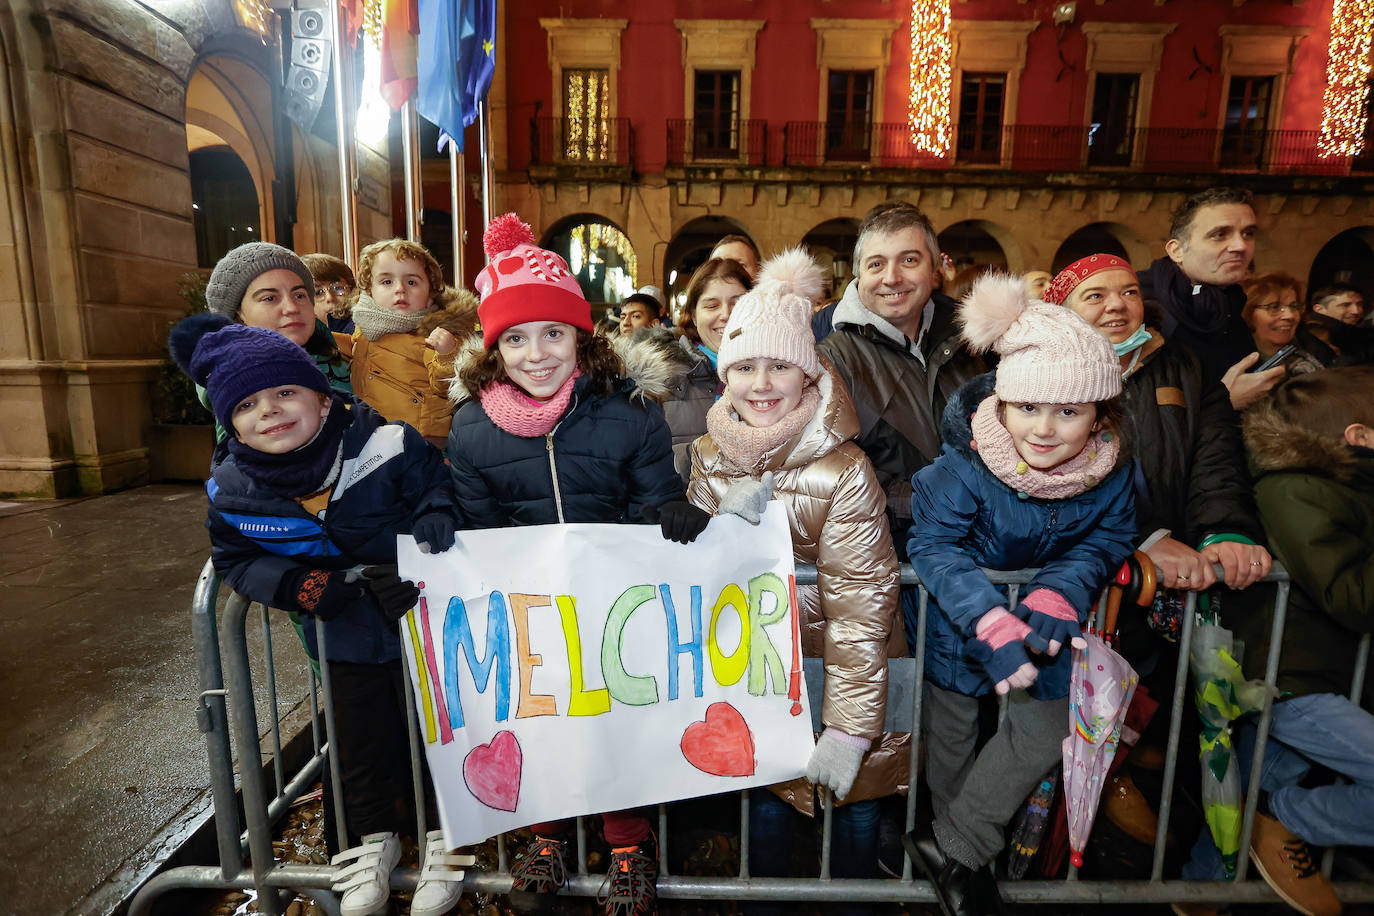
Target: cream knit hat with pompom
[
  {"x": 1049, "y": 354},
  {"x": 774, "y": 318}
]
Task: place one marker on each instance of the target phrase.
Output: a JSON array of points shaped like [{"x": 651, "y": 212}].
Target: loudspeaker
[{"x": 308, "y": 75}]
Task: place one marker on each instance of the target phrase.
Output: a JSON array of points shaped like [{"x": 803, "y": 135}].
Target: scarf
[
  {"x": 1079, "y": 474},
  {"x": 376, "y": 322},
  {"x": 301, "y": 471},
  {"x": 510, "y": 408},
  {"x": 746, "y": 445}
]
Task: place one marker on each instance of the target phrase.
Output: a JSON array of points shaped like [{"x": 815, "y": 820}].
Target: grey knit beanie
[{"x": 240, "y": 267}]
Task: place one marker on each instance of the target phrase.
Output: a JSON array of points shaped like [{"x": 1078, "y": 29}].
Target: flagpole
[
  {"x": 484, "y": 135},
  {"x": 410, "y": 152},
  {"x": 457, "y": 178},
  {"x": 343, "y": 137}
]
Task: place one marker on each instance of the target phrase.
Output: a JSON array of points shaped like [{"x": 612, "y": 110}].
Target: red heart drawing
[
  {"x": 492, "y": 772},
  {"x": 722, "y": 745}
]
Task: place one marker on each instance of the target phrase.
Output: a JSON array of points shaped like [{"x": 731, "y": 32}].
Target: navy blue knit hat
[{"x": 231, "y": 361}]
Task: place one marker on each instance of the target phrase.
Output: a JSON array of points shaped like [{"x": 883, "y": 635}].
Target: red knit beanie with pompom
[{"x": 524, "y": 282}]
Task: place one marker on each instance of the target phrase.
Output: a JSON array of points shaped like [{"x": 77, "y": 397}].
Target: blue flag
[{"x": 456, "y": 60}]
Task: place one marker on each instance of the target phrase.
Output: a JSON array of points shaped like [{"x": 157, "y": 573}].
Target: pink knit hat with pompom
[
  {"x": 773, "y": 319},
  {"x": 525, "y": 283},
  {"x": 1049, "y": 354}
]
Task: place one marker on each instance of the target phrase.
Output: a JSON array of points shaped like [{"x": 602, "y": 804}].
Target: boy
[
  {"x": 1312, "y": 446},
  {"x": 315, "y": 489}
]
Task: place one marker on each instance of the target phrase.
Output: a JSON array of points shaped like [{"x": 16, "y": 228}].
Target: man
[
  {"x": 1332, "y": 331},
  {"x": 642, "y": 309},
  {"x": 897, "y": 348},
  {"x": 739, "y": 248},
  {"x": 1211, "y": 243}
]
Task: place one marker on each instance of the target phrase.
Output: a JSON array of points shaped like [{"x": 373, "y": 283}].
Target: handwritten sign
[{"x": 575, "y": 669}]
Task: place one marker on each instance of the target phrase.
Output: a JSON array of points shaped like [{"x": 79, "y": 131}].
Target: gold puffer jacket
[{"x": 835, "y": 508}]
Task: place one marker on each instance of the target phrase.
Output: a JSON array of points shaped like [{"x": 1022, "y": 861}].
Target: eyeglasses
[
  {"x": 1274, "y": 308},
  {"x": 338, "y": 289}
]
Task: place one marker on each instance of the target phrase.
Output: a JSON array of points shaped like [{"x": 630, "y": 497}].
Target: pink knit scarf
[
  {"x": 521, "y": 415},
  {"x": 746, "y": 445},
  {"x": 1079, "y": 474}
]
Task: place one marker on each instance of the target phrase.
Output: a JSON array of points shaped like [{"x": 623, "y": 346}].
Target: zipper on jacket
[{"x": 553, "y": 462}]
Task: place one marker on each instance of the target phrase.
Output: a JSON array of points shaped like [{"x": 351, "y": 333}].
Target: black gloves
[
  {"x": 395, "y": 596},
  {"x": 433, "y": 532},
  {"x": 317, "y": 591},
  {"x": 679, "y": 520}
]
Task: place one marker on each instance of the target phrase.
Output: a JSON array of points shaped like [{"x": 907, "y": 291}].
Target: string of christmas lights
[
  {"x": 253, "y": 14},
  {"x": 1345, "y": 99},
  {"x": 930, "y": 81}
]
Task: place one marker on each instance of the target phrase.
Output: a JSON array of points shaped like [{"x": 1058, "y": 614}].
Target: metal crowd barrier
[{"x": 225, "y": 706}]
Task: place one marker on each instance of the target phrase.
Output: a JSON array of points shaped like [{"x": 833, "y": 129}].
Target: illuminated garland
[
  {"x": 588, "y": 237},
  {"x": 372, "y": 22},
  {"x": 1347, "y": 73},
  {"x": 253, "y": 14},
  {"x": 931, "y": 53}
]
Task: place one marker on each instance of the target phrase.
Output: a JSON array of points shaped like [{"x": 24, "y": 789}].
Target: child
[
  {"x": 550, "y": 432},
  {"x": 334, "y": 286},
  {"x": 1030, "y": 475},
  {"x": 1312, "y": 447},
  {"x": 316, "y": 485},
  {"x": 407, "y": 325},
  {"x": 786, "y": 425}
]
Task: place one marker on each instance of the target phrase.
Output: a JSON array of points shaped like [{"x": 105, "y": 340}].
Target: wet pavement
[{"x": 98, "y": 683}]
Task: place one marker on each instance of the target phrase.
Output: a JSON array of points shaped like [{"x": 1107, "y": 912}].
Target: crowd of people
[{"x": 1193, "y": 414}]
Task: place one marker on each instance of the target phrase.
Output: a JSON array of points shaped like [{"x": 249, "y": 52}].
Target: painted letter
[
  {"x": 728, "y": 669},
  {"x": 630, "y": 689},
  {"x": 581, "y": 702},
  {"x": 763, "y": 655},
  {"x": 458, "y": 632},
  {"x": 676, "y": 648},
  {"x": 529, "y": 704}
]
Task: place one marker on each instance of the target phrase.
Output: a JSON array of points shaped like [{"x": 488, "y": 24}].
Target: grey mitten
[
  {"x": 835, "y": 761},
  {"x": 747, "y": 498}
]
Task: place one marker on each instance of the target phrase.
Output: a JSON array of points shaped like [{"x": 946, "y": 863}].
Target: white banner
[{"x": 576, "y": 669}]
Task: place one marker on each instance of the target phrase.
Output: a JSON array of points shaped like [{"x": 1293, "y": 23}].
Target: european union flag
[{"x": 457, "y": 57}]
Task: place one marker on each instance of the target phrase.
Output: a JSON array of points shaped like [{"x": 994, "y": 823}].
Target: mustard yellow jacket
[{"x": 835, "y": 508}]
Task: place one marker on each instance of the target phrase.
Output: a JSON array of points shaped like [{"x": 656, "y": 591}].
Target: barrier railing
[{"x": 225, "y": 706}]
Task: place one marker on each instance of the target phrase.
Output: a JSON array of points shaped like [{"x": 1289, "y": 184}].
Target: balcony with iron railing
[
  {"x": 741, "y": 143},
  {"x": 586, "y": 142}
]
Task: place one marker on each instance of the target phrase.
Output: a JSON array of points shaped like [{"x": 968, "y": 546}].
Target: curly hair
[
  {"x": 401, "y": 250},
  {"x": 714, "y": 269},
  {"x": 596, "y": 357}
]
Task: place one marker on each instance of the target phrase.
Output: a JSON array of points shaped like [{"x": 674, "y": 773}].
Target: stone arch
[
  {"x": 599, "y": 254},
  {"x": 691, "y": 246},
  {"x": 1347, "y": 257},
  {"x": 1102, "y": 238},
  {"x": 979, "y": 241},
  {"x": 225, "y": 99},
  {"x": 831, "y": 244}
]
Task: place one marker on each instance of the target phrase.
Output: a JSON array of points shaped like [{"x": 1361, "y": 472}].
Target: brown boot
[
  {"x": 1286, "y": 864},
  {"x": 1127, "y": 808}
]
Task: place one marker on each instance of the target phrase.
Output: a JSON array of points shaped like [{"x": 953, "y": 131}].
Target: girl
[
  {"x": 711, "y": 295},
  {"x": 551, "y": 432},
  {"x": 1030, "y": 476},
  {"x": 786, "y": 425},
  {"x": 407, "y": 325},
  {"x": 334, "y": 286}
]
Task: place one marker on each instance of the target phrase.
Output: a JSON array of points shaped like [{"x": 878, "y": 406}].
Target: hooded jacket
[
  {"x": 898, "y": 400},
  {"x": 1316, "y": 499},
  {"x": 402, "y": 378},
  {"x": 389, "y": 477},
  {"x": 609, "y": 455},
  {"x": 693, "y": 390},
  {"x": 964, "y": 518},
  {"x": 835, "y": 512},
  {"x": 1200, "y": 317}
]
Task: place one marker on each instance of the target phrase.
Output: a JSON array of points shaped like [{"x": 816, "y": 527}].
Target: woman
[
  {"x": 1273, "y": 311},
  {"x": 711, "y": 295}
]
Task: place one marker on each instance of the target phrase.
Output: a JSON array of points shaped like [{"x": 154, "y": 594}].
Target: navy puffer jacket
[
  {"x": 389, "y": 478},
  {"x": 964, "y": 518},
  {"x": 609, "y": 456}
]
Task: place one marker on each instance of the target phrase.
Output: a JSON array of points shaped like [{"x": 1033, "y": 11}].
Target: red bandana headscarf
[{"x": 1069, "y": 278}]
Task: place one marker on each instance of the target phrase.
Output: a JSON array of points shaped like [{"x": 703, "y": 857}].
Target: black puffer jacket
[
  {"x": 1187, "y": 440},
  {"x": 1207, "y": 321},
  {"x": 608, "y": 456}
]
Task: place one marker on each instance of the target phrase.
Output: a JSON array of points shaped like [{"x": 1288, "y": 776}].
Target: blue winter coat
[
  {"x": 389, "y": 477},
  {"x": 964, "y": 518},
  {"x": 610, "y": 455}
]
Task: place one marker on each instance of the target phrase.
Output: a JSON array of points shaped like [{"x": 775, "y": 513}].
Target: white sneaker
[
  {"x": 441, "y": 878},
  {"x": 366, "y": 884}
]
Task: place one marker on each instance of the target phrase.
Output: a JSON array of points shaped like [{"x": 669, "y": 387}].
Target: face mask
[{"x": 1134, "y": 342}]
